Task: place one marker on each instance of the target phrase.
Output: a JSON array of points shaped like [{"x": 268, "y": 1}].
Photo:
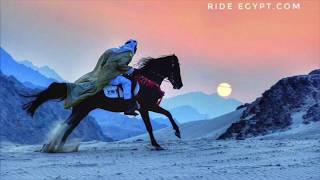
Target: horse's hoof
[
  {"x": 178, "y": 134},
  {"x": 47, "y": 148},
  {"x": 158, "y": 148},
  {"x": 59, "y": 149}
]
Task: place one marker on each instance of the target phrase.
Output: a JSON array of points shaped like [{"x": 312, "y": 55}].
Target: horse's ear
[{"x": 174, "y": 55}]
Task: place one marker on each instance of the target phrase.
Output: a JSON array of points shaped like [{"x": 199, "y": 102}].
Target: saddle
[
  {"x": 138, "y": 81},
  {"x": 116, "y": 92}
]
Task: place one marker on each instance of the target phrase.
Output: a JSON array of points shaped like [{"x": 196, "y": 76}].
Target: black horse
[{"x": 151, "y": 69}]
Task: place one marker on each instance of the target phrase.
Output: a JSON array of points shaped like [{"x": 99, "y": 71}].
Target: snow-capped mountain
[
  {"x": 44, "y": 70},
  {"x": 288, "y": 104},
  {"x": 24, "y": 74}
]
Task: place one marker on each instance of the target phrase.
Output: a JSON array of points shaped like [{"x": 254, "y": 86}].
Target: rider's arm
[
  {"x": 124, "y": 68},
  {"x": 123, "y": 63}
]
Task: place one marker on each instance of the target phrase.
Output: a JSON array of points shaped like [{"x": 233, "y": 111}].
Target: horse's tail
[{"x": 54, "y": 91}]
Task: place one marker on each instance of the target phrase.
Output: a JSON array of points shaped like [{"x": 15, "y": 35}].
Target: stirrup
[
  {"x": 132, "y": 113},
  {"x": 131, "y": 110}
]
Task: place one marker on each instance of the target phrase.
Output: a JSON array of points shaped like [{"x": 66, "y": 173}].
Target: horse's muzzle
[{"x": 177, "y": 87}]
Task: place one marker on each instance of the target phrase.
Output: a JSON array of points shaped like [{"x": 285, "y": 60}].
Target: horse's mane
[{"x": 148, "y": 61}]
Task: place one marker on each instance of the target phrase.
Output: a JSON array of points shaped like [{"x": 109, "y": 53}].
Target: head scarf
[{"x": 130, "y": 45}]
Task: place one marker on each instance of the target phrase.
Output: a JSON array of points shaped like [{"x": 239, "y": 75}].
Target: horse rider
[{"x": 109, "y": 69}]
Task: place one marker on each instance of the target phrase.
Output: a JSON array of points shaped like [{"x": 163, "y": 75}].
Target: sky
[{"x": 251, "y": 50}]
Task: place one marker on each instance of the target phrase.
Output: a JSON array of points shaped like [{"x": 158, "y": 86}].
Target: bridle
[{"x": 171, "y": 79}]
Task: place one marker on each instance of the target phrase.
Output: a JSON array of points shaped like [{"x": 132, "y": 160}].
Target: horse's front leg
[
  {"x": 165, "y": 112},
  {"x": 146, "y": 119}
]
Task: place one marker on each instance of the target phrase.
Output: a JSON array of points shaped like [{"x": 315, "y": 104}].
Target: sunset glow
[{"x": 249, "y": 49}]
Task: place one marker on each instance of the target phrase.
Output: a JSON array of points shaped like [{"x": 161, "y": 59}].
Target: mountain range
[
  {"x": 289, "y": 109},
  {"x": 204, "y": 105},
  {"x": 44, "y": 70},
  {"x": 292, "y": 102},
  {"x": 28, "y": 76},
  {"x": 118, "y": 126},
  {"x": 114, "y": 125},
  {"x": 18, "y": 127}
]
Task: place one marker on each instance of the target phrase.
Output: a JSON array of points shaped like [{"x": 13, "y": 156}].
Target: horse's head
[
  {"x": 174, "y": 75},
  {"x": 158, "y": 69}
]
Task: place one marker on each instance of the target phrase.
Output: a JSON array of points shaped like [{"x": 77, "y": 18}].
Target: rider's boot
[{"x": 132, "y": 106}]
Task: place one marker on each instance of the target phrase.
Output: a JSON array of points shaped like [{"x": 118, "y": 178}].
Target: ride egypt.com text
[{"x": 254, "y": 6}]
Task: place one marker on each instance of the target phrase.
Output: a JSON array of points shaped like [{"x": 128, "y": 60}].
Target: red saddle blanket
[{"x": 153, "y": 87}]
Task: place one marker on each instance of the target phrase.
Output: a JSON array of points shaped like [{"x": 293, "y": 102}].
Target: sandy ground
[{"x": 188, "y": 159}]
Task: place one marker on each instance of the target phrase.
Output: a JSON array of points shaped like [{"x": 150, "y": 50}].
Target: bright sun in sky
[{"x": 224, "y": 89}]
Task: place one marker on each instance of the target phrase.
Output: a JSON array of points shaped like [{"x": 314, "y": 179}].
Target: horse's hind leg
[
  {"x": 57, "y": 133},
  {"x": 64, "y": 130},
  {"x": 72, "y": 122},
  {"x": 165, "y": 112}
]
